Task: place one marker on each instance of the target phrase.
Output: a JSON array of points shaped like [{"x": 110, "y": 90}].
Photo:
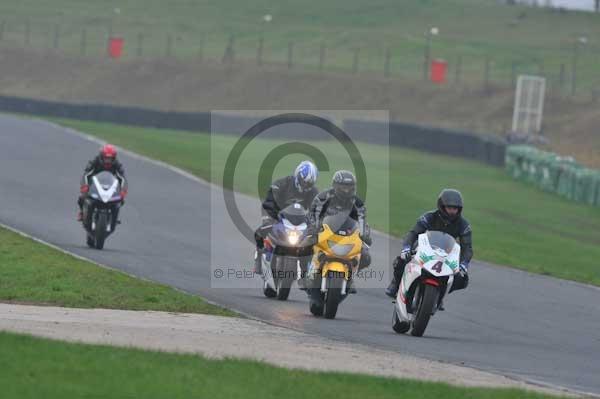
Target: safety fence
[
  {"x": 553, "y": 173},
  {"x": 488, "y": 149}
]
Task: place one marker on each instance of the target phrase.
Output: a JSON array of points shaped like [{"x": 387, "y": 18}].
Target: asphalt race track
[{"x": 532, "y": 327}]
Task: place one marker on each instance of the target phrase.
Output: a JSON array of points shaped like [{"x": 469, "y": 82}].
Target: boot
[
  {"x": 392, "y": 289},
  {"x": 350, "y": 288},
  {"x": 80, "y": 216},
  {"x": 441, "y": 305},
  {"x": 258, "y": 262}
]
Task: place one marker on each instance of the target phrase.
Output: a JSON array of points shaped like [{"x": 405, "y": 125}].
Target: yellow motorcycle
[{"x": 336, "y": 258}]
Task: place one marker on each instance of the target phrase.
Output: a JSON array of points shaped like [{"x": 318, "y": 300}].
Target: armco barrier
[
  {"x": 485, "y": 148},
  {"x": 488, "y": 149}
]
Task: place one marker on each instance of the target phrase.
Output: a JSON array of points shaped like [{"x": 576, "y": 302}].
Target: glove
[
  {"x": 405, "y": 255},
  {"x": 123, "y": 194},
  {"x": 84, "y": 188},
  {"x": 464, "y": 269}
]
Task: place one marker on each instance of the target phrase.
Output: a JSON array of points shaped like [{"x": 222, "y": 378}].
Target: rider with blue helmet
[{"x": 297, "y": 188}]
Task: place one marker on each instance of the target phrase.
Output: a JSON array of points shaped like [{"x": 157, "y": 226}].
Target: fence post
[
  {"x": 574, "y": 69},
  {"x": 427, "y": 56},
  {"x": 27, "y": 32},
  {"x": 388, "y": 58},
  {"x": 355, "y": 61},
  {"x": 56, "y": 36},
  {"x": 259, "y": 51},
  {"x": 513, "y": 74},
  {"x": 458, "y": 72},
  {"x": 290, "y": 60},
  {"x": 322, "y": 57},
  {"x": 201, "y": 48},
  {"x": 140, "y": 45},
  {"x": 169, "y": 49},
  {"x": 229, "y": 55},
  {"x": 83, "y": 43},
  {"x": 486, "y": 74}
]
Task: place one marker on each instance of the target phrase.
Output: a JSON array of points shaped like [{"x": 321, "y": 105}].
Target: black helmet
[
  {"x": 344, "y": 185},
  {"x": 450, "y": 197}
]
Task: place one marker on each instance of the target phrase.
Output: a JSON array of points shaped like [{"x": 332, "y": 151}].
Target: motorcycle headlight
[
  {"x": 293, "y": 237},
  {"x": 339, "y": 249}
]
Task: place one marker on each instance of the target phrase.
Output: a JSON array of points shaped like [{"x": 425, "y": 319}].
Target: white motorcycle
[
  {"x": 426, "y": 280},
  {"x": 101, "y": 208}
]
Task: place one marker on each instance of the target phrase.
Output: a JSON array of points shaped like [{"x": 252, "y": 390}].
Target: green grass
[
  {"x": 40, "y": 368},
  {"x": 31, "y": 272},
  {"x": 533, "y": 39},
  {"x": 513, "y": 224}
]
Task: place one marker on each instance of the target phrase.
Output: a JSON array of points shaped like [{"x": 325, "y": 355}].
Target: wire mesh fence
[{"x": 569, "y": 69}]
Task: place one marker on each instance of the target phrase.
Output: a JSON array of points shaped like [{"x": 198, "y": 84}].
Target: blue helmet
[{"x": 305, "y": 175}]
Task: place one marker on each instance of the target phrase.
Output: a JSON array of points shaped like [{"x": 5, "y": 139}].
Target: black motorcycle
[{"x": 288, "y": 250}]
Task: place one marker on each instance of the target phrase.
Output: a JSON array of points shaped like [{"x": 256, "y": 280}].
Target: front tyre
[
  {"x": 333, "y": 296},
  {"x": 429, "y": 297},
  {"x": 100, "y": 232}
]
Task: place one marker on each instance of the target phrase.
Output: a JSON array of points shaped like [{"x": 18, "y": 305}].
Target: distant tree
[{"x": 597, "y": 5}]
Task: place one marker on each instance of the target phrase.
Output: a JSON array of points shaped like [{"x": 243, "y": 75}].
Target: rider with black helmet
[
  {"x": 448, "y": 219},
  {"x": 342, "y": 197}
]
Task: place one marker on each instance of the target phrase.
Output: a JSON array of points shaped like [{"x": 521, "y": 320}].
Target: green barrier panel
[
  {"x": 585, "y": 189},
  {"x": 596, "y": 190}
]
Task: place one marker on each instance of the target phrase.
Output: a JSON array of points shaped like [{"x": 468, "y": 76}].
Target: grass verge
[
  {"x": 31, "y": 368},
  {"x": 31, "y": 272}
]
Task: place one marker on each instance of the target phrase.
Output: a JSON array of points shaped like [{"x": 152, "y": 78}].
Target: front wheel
[
  {"x": 429, "y": 297},
  {"x": 100, "y": 232},
  {"x": 333, "y": 296}
]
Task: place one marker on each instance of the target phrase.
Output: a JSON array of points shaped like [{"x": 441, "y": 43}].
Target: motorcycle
[
  {"x": 337, "y": 254},
  {"x": 287, "y": 252},
  {"x": 101, "y": 208},
  {"x": 426, "y": 280}
]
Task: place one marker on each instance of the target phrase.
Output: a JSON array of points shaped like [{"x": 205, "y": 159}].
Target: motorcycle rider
[
  {"x": 106, "y": 160},
  {"x": 297, "y": 188},
  {"x": 341, "y": 197},
  {"x": 448, "y": 219}
]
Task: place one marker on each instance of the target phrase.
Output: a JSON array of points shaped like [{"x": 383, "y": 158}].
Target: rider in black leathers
[
  {"x": 446, "y": 218},
  {"x": 106, "y": 160},
  {"x": 342, "y": 197},
  {"x": 297, "y": 188}
]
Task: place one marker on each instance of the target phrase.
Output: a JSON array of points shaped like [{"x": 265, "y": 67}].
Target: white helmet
[{"x": 305, "y": 175}]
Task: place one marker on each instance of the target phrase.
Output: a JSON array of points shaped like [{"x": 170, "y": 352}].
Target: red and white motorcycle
[{"x": 426, "y": 280}]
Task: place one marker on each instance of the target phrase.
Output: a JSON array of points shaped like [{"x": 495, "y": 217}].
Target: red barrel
[
  {"x": 115, "y": 47},
  {"x": 438, "y": 71}
]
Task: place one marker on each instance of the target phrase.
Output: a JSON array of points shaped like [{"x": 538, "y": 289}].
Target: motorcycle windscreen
[
  {"x": 443, "y": 241},
  {"x": 295, "y": 214},
  {"x": 341, "y": 223},
  {"x": 106, "y": 179}
]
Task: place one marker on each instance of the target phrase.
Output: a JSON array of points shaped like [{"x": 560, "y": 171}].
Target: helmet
[
  {"x": 344, "y": 185},
  {"x": 108, "y": 155},
  {"x": 305, "y": 175},
  {"x": 450, "y": 197}
]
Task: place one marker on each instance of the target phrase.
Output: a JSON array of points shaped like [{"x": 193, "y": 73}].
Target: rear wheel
[
  {"x": 268, "y": 291},
  {"x": 399, "y": 326},
  {"x": 100, "y": 233},
  {"x": 283, "y": 289},
  {"x": 333, "y": 296},
  {"x": 429, "y": 297}
]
